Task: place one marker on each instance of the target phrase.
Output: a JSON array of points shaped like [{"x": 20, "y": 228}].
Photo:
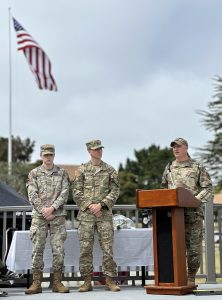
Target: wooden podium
[{"x": 168, "y": 238}]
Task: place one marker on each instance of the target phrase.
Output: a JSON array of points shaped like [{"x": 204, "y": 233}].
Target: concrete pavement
[{"x": 99, "y": 293}]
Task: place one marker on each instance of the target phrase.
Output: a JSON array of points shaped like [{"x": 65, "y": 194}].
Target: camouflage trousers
[
  {"x": 193, "y": 236},
  {"x": 86, "y": 239},
  {"x": 38, "y": 234}
]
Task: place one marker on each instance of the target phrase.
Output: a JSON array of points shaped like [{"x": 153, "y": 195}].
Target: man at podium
[{"x": 188, "y": 173}]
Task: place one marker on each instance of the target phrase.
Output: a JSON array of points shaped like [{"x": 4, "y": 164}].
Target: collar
[
  {"x": 182, "y": 164},
  {"x": 45, "y": 171}
]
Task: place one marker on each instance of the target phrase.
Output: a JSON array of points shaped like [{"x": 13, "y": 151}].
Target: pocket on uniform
[
  {"x": 32, "y": 233},
  {"x": 78, "y": 229},
  {"x": 86, "y": 231},
  {"x": 63, "y": 234}
]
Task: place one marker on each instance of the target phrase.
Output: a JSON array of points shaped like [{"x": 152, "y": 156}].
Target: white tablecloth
[{"x": 132, "y": 247}]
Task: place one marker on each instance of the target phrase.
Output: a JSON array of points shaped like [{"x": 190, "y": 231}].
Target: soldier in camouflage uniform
[
  {"x": 188, "y": 173},
  {"x": 6, "y": 274},
  {"x": 96, "y": 189},
  {"x": 48, "y": 189}
]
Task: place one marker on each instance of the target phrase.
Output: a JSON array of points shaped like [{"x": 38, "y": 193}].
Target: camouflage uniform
[
  {"x": 96, "y": 184},
  {"x": 193, "y": 176},
  {"x": 48, "y": 188}
]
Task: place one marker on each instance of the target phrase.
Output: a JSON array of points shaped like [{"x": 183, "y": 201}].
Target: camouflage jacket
[
  {"x": 190, "y": 175},
  {"x": 48, "y": 188},
  {"x": 95, "y": 185}
]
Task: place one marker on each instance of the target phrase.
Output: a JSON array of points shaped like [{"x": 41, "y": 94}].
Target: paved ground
[{"x": 127, "y": 293}]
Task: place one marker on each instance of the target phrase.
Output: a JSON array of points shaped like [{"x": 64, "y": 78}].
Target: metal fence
[{"x": 19, "y": 218}]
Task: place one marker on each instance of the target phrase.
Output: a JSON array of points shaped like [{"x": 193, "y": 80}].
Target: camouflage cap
[
  {"x": 47, "y": 149},
  {"x": 179, "y": 141},
  {"x": 95, "y": 144}
]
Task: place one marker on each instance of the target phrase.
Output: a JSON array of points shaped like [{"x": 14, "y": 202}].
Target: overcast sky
[{"x": 129, "y": 72}]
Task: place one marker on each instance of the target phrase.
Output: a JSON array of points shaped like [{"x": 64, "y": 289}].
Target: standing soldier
[
  {"x": 48, "y": 189},
  {"x": 96, "y": 189},
  {"x": 5, "y": 273},
  {"x": 188, "y": 173}
]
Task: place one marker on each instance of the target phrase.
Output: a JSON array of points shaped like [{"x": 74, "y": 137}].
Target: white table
[{"x": 132, "y": 247}]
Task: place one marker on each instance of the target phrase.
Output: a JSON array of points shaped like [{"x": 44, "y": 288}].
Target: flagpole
[{"x": 10, "y": 101}]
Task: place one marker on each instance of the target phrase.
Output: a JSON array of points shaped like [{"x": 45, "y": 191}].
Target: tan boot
[
  {"x": 191, "y": 279},
  {"x": 111, "y": 285},
  {"x": 58, "y": 287},
  {"x": 87, "y": 285},
  {"x": 35, "y": 288}
]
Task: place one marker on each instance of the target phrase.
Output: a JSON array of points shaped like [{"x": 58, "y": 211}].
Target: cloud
[{"x": 132, "y": 73}]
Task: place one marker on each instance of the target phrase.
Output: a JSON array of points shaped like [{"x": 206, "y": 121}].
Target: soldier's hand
[
  {"x": 50, "y": 217},
  {"x": 99, "y": 214},
  {"x": 95, "y": 208},
  {"x": 47, "y": 211}
]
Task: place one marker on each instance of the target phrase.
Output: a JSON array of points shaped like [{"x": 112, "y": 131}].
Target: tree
[
  {"x": 143, "y": 173},
  {"x": 128, "y": 186},
  {"x": 211, "y": 153},
  {"x": 21, "y": 155},
  {"x": 21, "y": 149},
  {"x": 19, "y": 175}
]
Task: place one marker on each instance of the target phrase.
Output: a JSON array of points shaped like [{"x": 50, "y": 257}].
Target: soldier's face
[
  {"x": 47, "y": 160},
  {"x": 96, "y": 153},
  {"x": 180, "y": 152}
]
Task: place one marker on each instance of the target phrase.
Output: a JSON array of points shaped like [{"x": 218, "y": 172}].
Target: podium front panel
[{"x": 164, "y": 245}]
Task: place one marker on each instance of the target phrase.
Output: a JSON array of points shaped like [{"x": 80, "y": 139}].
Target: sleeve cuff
[
  {"x": 54, "y": 206},
  {"x": 107, "y": 204},
  {"x": 86, "y": 205}
]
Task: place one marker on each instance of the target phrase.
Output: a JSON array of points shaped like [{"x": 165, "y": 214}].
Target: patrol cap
[
  {"x": 47, "y": 149},
  {"x": 95, "y": 144},
  {"x": 179, "y": 141}
]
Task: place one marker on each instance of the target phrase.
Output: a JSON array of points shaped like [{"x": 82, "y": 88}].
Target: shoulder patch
[{"x": 79, "y": 171}]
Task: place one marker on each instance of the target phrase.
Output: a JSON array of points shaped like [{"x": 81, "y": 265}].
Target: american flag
[{"x": 38, "y": 60}]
